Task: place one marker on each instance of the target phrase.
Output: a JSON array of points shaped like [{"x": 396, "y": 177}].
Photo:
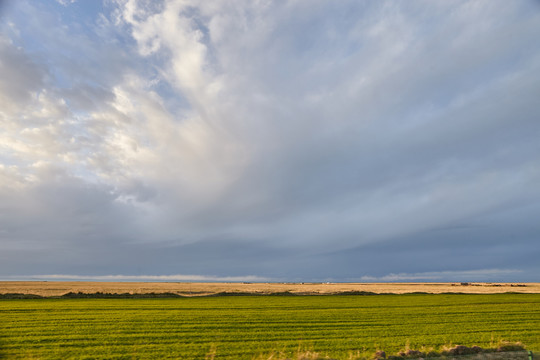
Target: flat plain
[
  {"x": 262, "y": 327},
  {"x": 58, "y": 288}
]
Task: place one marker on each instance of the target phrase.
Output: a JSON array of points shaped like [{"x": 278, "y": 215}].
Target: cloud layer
[{"x": 304, "y": 140}]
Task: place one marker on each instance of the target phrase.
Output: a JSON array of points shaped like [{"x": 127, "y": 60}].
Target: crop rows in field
[{"x": 245, "y": 327}]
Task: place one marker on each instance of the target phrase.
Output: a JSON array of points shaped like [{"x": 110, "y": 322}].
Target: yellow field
[{"x": 57, "y": 288}]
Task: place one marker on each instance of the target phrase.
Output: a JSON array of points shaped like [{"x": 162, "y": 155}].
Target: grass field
[{"x": 245, "y": 327}]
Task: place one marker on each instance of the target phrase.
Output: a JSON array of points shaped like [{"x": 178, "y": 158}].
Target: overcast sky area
[{"x": 250, "y": 140}]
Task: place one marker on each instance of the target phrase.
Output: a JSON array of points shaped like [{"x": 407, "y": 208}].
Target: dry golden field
[{"x": 57, "y": 288}]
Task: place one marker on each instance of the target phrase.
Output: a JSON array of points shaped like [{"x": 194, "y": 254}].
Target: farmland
[
  {"x": 245, "y": 327},
  {"x": 58, "y": 288}
]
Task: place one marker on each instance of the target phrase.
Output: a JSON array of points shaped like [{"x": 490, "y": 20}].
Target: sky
[{"x": 301, "y": 140}]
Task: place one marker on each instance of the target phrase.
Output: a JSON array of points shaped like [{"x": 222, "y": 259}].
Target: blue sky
[{"x": 270, "y": 141}]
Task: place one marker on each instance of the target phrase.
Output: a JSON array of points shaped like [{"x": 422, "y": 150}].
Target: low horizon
[{"x": 391, "y": 278}]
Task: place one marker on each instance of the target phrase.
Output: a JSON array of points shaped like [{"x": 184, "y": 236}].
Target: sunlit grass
[{"x": 342, "y": 327}]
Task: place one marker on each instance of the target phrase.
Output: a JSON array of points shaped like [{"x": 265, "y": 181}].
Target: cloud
[
  {"x": 318, "y": 130},
  {"x": 156, "y": 278},
  {"x": 470, "y": 275},
  {"x": 23, "y": 77},
  {"x": 66, "y": 2}
]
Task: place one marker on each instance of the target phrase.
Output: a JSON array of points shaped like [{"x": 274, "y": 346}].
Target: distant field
[
  {"x": 57, "y": 288},
  {"x": 244, "y": 327}
]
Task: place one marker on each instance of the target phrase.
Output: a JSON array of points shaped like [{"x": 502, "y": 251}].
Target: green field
[{"x": 244, "y": 327}]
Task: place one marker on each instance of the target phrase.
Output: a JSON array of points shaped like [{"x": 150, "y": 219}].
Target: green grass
[{"x": 250, "y": 326}]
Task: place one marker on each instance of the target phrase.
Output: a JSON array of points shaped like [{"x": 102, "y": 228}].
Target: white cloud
[
  {"x": 66, "y": 2},
  {"x": 467, "y": 275},
  {"x": 157, "y": 278}
]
